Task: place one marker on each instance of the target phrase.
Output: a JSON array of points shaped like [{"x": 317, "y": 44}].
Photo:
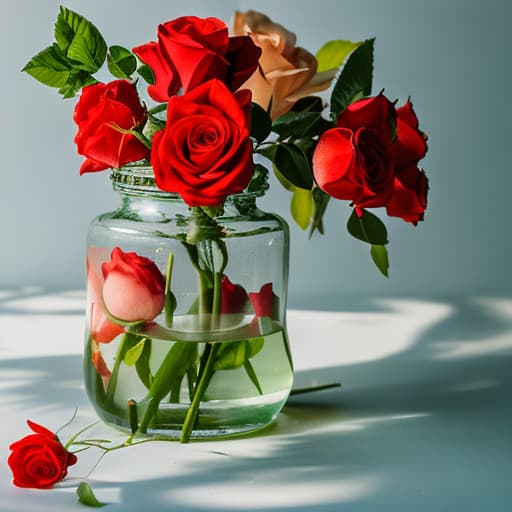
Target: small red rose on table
[{"x": 39, "y": 460}]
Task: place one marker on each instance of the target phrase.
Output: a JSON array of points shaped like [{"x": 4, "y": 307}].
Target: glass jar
[{"x": 213, "y": 360}]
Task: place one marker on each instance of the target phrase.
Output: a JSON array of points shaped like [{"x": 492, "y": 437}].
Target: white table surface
[{"x": 423, "y": 421}]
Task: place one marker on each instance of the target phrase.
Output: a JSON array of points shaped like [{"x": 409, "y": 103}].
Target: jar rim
[{"x": 138, "y": 179}]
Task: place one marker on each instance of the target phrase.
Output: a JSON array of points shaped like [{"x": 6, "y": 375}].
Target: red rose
[
  {"x": 39, "y": 460},
  {"x": 191, "y": 51},
  {"x": 102, "y": 113},
  {"x": 353, "y": 161},
  {"x": 205, "y": 152},
  {"x": 409, "y": 198},
  {"x": 134, "y": 287}
]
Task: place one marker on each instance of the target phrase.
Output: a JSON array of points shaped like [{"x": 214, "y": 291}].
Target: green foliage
[
  {"x": 355, "y": 80},
  {"x": 379, "y": 255},
  {"x": 294, "y": 165},
  {"x": 308, "y": 104},
  {"x": 146, "y": 73},
  {"x": 121, "y": 62},
  {"x": 86, "y": 496},
  {"x": 80, "y": 40},
  {"x": 321, "y": 201},
  {"x": 50, "y": 67},
  {"x": 142, "y": 364},
  {"x": 300, "y": 124},
  {"x": 133, "y": 354},
  {"x": 333, "y": 54},
  {"x": 261, "y": 124},
  {"x": 368, "y": 228},
  {"x": 79, "y": 51},
  {"x": 302, "y": 207}
]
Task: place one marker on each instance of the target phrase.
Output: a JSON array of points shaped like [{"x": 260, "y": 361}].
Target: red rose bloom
[
  {"x": 102, "y": 113},
  {"x": 39, "y": 460},
  {"x": 409, "y": 198},
  {"x": 134, "y": 287},
  {"x": 205, "y": 152},
  {"x": 191, "y": 51},
  {"x": 353, "y": 161}
]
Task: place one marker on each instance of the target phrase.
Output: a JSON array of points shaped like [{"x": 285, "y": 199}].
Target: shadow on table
[{"x": 428, "y": 428}]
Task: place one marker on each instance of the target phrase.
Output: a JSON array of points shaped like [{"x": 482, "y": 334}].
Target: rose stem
[
  {"x": 121, "y": 349},
  {"x": 202, "y": 384}
]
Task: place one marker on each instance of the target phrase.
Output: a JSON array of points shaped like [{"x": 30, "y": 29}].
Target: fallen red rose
[{"x": 39, "y": 460}]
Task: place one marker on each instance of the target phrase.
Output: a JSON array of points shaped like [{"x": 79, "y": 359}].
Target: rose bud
[
  {"x": 287, "y": 73},
  {"x": 39, "y": 460},
  {"x": 134, "y": 287}
]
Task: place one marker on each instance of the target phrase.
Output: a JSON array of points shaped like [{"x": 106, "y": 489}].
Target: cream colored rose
[{"x": 287, "y": 73}]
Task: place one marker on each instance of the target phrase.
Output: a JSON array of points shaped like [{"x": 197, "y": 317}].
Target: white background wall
[{"x": 453, "y": 57}]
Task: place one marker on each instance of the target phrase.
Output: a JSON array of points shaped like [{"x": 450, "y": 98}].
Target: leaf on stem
[
  {"x": 121, "y": 62},
  {"x": 261, "y": 124},
  {"x": 368, "y": 228},
  {"x": 380, "y": 257},
  {"x": 133, "y": 354},
  {"x": 302, "y": 206},
  {"x": 333, "y": 53},
  {"x": 355, "y": 80}
]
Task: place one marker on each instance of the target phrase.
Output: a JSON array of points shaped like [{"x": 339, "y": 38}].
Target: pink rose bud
[{"x": 134, "y": 287}]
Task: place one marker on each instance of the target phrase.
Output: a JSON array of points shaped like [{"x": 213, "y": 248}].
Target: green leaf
[
  {"x": 50, "y": 67},
  {"x": 333, "y": 54},
  {"x": 132, "y": 355},
  {"x": 308, "y": 104},
  {"x": 231, "y": 355},
  {"x": 86, "y": 496},
  {"x": 77, "y": 79},
  {"x": 146, "y": 73},
  {"x": 300, "y": 124},
  {"x": 121, "y": 62},
  {"x": 284, "y": 182},
  {"x": 368, "y": 228},
  {"x": 252, "y": 375},
  {"x": 261, "y": 124},
  {"x": 254, "y": 346},
  {"x": 379, "y": 255},
  {"x": 294, "y": 165},
  {"x": 142, "y": 365},
  {"x": 355, "y": 80},
  {"x": 321, "y": 200},
  {"x": 302, "y": 206},
  {"x": 80, "y": 40}
]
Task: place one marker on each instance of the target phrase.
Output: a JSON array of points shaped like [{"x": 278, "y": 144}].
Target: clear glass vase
[{"x": 209, "y": 354}]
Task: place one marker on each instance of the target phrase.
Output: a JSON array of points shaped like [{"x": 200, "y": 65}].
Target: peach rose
[{"x": 287, "y": 73}]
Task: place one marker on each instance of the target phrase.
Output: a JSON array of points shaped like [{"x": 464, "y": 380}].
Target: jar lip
[{"x": 138, "y": 179}]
